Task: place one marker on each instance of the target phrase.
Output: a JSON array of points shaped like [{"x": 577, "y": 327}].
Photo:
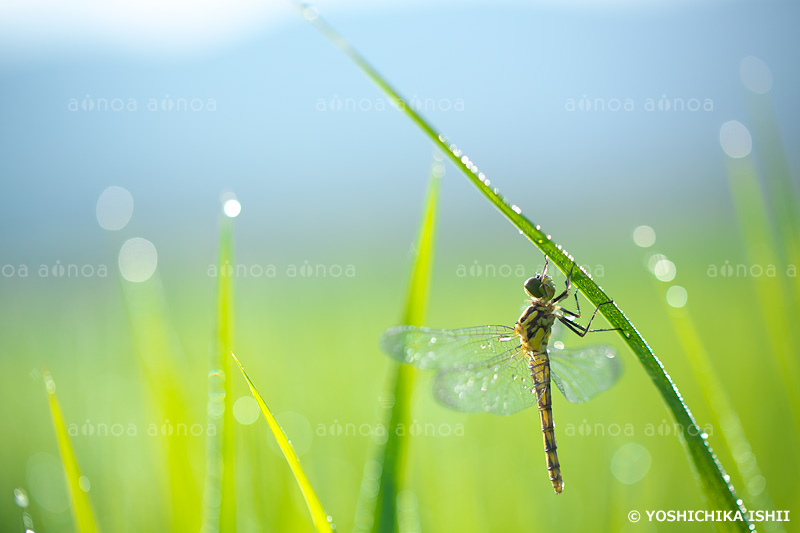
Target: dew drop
[
  {"x": 49, "y": 384},
  {"x": 21, "y": 497},
  {"x": 232, "y": 208}
]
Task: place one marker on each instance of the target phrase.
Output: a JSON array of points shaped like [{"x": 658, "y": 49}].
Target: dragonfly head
[{"x": 541, "y": 286}]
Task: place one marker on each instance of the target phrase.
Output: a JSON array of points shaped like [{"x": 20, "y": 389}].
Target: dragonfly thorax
[{"x": 541, "y": 287}]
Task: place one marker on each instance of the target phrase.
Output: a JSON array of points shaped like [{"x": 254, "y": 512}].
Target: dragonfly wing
[
  {"x": 584, "y": 373},
  {"x": 500, "y": 388},
  {"x": 450, "y": 349}
]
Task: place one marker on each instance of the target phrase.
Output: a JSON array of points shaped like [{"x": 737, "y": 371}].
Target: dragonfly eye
[{"x": 534, "y": 287}]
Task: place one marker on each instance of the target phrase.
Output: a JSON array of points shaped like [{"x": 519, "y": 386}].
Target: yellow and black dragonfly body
[{"x": 503, "y": 370}]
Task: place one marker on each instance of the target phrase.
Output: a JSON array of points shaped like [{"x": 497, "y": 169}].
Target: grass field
[{"x": 124, "y": 411}]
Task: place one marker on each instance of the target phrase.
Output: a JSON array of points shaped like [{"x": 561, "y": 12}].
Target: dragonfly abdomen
[
  {"x": 540, "y": 371},
  {"x": 534, "y": 328}
]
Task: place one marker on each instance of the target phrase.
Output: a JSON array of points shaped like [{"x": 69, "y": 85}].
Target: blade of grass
[
  {"x": 81, "y": 506},
  {"x": 712, "y": 477},
  {"x": 392, "y": 453},
  {"x": 770, "y": 292},
  {"x": 781, "y": 189},
  {"x": 723, "y": 414},
  {"x": 322, "y": 522},
  {"x": 159, "y": 356},
  {"x": 220, "y": 511},
  {"x": 783, "y": 199}
]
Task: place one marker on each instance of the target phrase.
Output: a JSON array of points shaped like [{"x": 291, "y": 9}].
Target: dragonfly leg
[
  {"x": 568, "y": 285},
  {"x": 583, "y": 330},
  {"x": 576, "y": 314}
]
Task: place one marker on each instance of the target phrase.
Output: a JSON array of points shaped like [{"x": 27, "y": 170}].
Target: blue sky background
[{"x": 303, "y": 175}]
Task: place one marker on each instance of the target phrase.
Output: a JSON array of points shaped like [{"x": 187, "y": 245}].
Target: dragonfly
[{"x": 503, "y": 370}]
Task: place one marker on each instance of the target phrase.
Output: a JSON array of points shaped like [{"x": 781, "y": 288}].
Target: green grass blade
[
  {"x": 781, "y": 189},
  {"x": 81, "y": 506},
  {"x": 723, "y": 413},
  {"x": 322, "y": 521},
  {"x": 768, "y": 210},
  {"x": 712, "y": 478},
  {"x": 381, "y": 510},
  {"x": 220, "y": 514},
  {"x": 159, "y": 358},
  {"x": 422, "y": 264},
  {"x": 773, "y": 295}
]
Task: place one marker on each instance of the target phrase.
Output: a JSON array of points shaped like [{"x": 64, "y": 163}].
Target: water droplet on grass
[{"x": 21, "y": 498}]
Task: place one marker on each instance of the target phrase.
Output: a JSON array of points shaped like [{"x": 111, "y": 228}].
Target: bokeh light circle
[
  {"x": 114, "y": 208},
  {"x": 631, "y": 463},
  {"x": 755, "y": 74},
  {"x": 677, "y": 296},
  {"x": 137, "y": 259},
  {"x": 246, "y": 410},
  {"x": 665, "y": 270},
  {"x": 644, "y": 236},
  {"x": 735, "y": 139}
]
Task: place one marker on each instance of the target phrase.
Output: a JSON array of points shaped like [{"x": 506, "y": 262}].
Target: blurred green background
[{"x": 330, "y": 177}]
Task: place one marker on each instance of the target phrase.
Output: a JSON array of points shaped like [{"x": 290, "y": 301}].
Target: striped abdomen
[
  {"x": 540, "y": 371},
  {"x": 534, "y": 328}
]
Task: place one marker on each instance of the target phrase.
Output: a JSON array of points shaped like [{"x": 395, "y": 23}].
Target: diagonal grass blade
[
  {"x": 81, "y": 506},
  {"x": 322, "y": 522}
]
